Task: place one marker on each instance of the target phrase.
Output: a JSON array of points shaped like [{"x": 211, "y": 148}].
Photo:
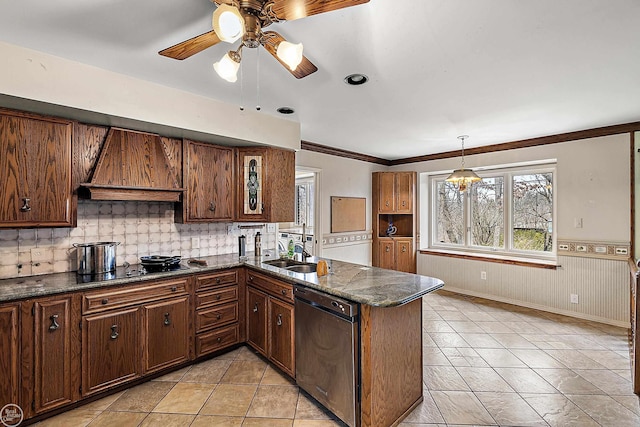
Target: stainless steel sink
[
  {"x": 293, "y": 265},
  {"x": 304, "y": 268}
]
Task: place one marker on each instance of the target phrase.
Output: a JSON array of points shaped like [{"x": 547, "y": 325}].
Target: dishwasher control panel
[{"x": 326, "y": 301}]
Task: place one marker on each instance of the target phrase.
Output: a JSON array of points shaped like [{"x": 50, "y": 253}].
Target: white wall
[
  {"x": 33, "y": 75},
  {"x": 340, "y": 177},
  {"x": 592, "y": 183}
]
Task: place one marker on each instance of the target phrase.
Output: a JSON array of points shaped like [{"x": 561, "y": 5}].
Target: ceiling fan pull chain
[{"x": 258, "y": 81}]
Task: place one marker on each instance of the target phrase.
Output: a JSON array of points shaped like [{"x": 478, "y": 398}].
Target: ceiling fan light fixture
[
  {"x": 227, "y": 67},
  {"x": 290, "y": 54},
  {"x": 462, "y": 177},
  {"x": 228, "y": 23}
]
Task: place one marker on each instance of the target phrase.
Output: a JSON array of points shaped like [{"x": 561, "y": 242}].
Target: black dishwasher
[{"x": 327, "y": 351}]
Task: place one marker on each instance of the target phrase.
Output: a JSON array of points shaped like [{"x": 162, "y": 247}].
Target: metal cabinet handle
[
  {"x": 218, "y": 281},
  {"x": 105, "y": 301},
  {"x": 212, "y": 207},
  {"x": 386, "y": 203},
  {"x": 218, "y": 316},
  {"x": 25, "y": 205},
  {"x": 284, "y": 292},
  {"x": 404, "y": 203},
  {"x": 218, "y": 297},
  {"x": 255, "y": 308},
  {"x": 404, "y": 249},
  {"x": 54, "y": 322},
  {"x": 167, "y": 321},
  {"x": 173, "y": 289},
  {"x": 219, "y": 339},
  {"x": 279, "y": 321},
  {"x": 250, "y": 278},
  {"x": 114, "y": 332},
  {"x": 387, "y": 248}
]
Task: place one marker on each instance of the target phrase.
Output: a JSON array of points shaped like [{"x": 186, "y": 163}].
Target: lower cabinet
[
  {"x": 131, "y": 331},
  {"x": 396, "y": 254},
  {"x": 110, "y": 349},
  {"x": 270, "y": 320},
  {"x": 166, "y": 332},
  {"x": 10, "y": 354},
  {"x": 53, "y": 353}
]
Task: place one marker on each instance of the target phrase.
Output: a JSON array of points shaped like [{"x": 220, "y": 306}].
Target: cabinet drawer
[
  {"x": 205, "y": 299},
  {"x": 216, "y": 316},
  {"x": 271, "y": 286},
  {"x": 106, "y": 299},
  {"x": 217, "y": 339},
  {"x": 216, "y": 279}
]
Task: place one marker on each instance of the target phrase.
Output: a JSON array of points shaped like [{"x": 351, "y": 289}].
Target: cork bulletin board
[{"x": 348, "y": 214}]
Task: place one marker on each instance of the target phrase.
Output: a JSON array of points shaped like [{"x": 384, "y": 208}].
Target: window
[
  {"x": 304, "y": 201},
  {"x": 509, "y": 212}
]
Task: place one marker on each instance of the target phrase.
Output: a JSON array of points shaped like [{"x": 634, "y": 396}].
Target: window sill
[{"x": 549, "y": 265}]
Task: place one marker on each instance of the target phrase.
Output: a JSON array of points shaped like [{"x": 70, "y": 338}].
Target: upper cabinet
[
  {"x": 209, "y": 180},
  {"x": 395, "y": 192},
  {"x": 35, "y": 171},
  {"x": 266, "y": 184}
]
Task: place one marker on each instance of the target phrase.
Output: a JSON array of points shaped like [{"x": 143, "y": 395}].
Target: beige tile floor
[{"x": 485, "y": 363}]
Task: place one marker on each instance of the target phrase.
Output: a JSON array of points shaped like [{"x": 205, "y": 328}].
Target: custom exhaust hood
[{"x": 132, "y": 166}]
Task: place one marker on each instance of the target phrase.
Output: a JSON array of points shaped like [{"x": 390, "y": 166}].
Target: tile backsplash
[{"x": 142, "y": 228}]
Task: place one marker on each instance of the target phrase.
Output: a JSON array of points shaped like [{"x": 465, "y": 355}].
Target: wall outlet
[
  {"x": 581, "y": 248},
  {"x": 574, "y": 298},
  {"x": 601, "y": 249},
  {"x": 271, "y": 228},
  {"x": 563, "y": 247},
  {"x": 195, "y": 243},
  {"x": 483, "y": 275},
  {"x": 577, "y": 222},
  {"x": 622, "y": 251}
]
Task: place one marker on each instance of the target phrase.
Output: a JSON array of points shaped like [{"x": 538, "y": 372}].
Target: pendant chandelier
[{"x": 463, "y": 177}]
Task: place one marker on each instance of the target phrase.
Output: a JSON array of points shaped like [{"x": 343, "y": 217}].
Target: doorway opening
[{"x": 304, "y": 230}]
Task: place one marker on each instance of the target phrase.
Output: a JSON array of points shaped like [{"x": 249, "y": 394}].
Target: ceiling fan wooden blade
[
  {"x": 303, "y": 69},
  {"x": 296, "y": 9},
  {"x": 192, "y": 46}
]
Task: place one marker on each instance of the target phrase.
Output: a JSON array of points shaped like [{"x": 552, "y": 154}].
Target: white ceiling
[{"x": 497, "y": 70}]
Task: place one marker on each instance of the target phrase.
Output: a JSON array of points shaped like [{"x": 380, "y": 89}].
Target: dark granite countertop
[{"x": 367, "y": 285}]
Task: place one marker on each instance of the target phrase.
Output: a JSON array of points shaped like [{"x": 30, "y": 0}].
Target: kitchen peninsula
[{"x": 205, "y": 310}]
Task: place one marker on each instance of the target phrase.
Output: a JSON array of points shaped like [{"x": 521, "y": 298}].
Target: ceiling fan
[{"x": 245, "y": 19}]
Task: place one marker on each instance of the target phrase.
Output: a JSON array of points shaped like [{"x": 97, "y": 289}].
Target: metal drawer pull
[
  {"x": 54, "y": 322},
  {"x": 251, "y": 278},
  {"x": 25, "y": 205},
  {"x": 105, "y": 301},
  {"x": 114, "y": 332},
  {"x": 173, "y": 289},
  {"x": 219, "y": 340},
  {"x": 218, "y": 296},
  {"x": 218, "y": 280},
  {"x": 279, "y": 321},
  {"x": 255, "y": 308},
  {"x": 167, "y": 321},
  {"x": 284, "y": 292},
  {"x": 212, "y": 207},
  {"x": 219, "y": 316}
]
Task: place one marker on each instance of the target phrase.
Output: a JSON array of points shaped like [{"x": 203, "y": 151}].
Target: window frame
[{"x": 508, "y": 252}]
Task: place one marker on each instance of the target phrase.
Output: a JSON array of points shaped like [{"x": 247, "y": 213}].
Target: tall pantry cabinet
[{"x": 394, "y": 220}]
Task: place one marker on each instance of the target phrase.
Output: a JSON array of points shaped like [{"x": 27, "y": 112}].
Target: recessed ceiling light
[
  {"x": 286, "y": 110},
  {"x": 356, "y": 79}
]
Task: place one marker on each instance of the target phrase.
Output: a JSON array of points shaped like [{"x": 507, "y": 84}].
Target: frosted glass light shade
[
  {"x": 463, "y": 178},
  {"x": 228, "y": 23},
  {"x": 290, "y": 54},
  {"x": 227, "y": 68}
]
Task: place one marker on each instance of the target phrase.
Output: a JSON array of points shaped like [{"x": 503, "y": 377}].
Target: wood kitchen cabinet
[
  {"x": 35, "y": 171},
  {"x": 394, "y": 220},
  {"x": 54, "y": 353},
  {"x": 131, "y": 331},
  {"x": 271, "y": 320},
  {"x": 266, "y": 184},
  {"x": 166, "y": 332},
  {"x": 219, "y": 311},
  {"x": 208, "y": 175},
  {"x": 10, "y": 355}
]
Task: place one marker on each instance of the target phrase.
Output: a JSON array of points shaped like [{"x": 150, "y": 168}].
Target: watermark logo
[{"x": 11, "y": 415}]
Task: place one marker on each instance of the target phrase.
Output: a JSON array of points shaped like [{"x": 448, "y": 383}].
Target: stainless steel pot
[{"x": 96, "y": 258}]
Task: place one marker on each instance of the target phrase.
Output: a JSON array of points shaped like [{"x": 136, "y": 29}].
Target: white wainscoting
[{"x": 601, "y": 284}]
